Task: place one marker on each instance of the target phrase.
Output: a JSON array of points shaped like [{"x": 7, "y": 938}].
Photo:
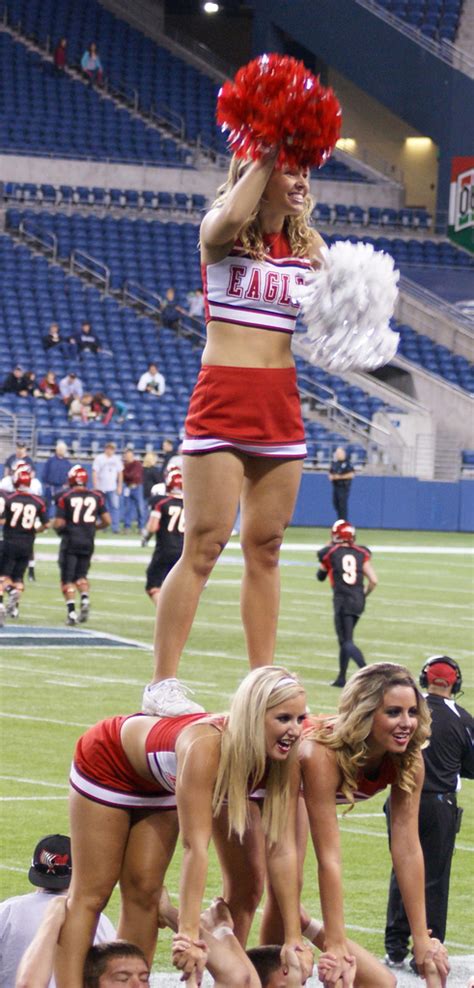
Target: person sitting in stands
[
  {"x": 48, "y": 386},
  {"x": 170, "y": 311},
  {"x": 152, "y": 382},
  {"x": 14, "y": 382},
  {"x": 86, "y": 339},
  {"x": 91, "y": 64},
  {"x": 59, "y": 57},
  {"x": 70, "y": 386}
]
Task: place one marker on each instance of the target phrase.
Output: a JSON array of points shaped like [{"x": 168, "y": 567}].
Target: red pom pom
[{"x": 274, "y": 101}]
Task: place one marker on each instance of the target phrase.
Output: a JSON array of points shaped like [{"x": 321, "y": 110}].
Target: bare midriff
[{"x": 235, "y": 345}]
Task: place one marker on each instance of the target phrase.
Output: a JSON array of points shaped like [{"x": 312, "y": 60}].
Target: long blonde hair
[
  {"x": 243, "y": 760},
  {"x": 297, "y": 228},
  {"x": 348, "y": 732}
]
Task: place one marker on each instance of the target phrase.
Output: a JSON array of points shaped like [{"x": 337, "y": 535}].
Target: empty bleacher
[{"x": 435, "y": 19}]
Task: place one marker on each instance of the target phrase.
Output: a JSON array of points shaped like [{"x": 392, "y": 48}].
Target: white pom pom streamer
[{"x": 347, "y": 305}]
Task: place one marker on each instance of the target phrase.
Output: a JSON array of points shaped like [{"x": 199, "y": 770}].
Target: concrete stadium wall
[{"x": 390, "y": 502}]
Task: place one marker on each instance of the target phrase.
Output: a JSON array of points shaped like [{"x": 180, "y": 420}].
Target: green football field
[{"x": 54, "y": 686}]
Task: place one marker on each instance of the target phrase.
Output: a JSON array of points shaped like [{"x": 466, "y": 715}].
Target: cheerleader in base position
[
  {"x": 374, "y": 741},
  {"x": 128, "y": 777}
]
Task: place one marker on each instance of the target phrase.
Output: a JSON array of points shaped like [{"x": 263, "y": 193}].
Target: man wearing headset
[{"x": 450, "y": 754}]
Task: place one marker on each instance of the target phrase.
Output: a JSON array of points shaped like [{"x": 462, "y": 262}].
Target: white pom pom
[{"x": 347, "y": 305}]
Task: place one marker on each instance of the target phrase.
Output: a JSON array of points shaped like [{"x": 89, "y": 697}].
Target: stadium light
[{"x": 210, "y": 8}]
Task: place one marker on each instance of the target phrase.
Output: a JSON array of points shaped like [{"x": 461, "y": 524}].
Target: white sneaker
[
  {"x": 71, "y": 619},
  {"x": 169, "y": 698},
  {"x": 2, "y": 615},
  {"x": 84, "y": 611}
]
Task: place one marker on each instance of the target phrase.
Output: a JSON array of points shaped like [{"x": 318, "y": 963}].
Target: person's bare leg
[
  {"x": 243, "y": 869},
  {"x": 98, "y": 840},
  {"x": 212, "y": 484},
  {"x": 268, "y": 498},
  {"x": 149, "y": 850}
]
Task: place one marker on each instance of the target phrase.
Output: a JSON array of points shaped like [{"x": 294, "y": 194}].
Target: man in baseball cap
[
  {"x": 449, "y": 755},
  {"x": 20, "y": 916},
  {"x": 51, "y": 865}
]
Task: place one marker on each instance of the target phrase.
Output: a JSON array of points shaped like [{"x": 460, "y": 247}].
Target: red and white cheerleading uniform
[
  {"x": 366, "y": 788},
  {"x": 102, "y": 772},
  {"x": 253, "y": 409}
]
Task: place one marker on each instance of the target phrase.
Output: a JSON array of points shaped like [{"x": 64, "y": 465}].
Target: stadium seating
[
  {"x": 35, "y": 293},
  {"x": 136, "y": 68},
  {"x": 158, "y": 255},
  {"x": 436, "y": 19},
  {"x": 41, "y": 113},
  {"x": 102, "y": 198}
]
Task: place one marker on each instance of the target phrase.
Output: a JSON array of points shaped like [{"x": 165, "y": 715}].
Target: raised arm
[
  {"x": 408, "y": 865},
  {"x": 36, "y": 966},
  {"x": 321, "y": 779},
  {"x": 221, "y": 226}
]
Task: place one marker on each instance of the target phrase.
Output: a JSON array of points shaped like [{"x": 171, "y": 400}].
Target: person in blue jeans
[
  {"x": 107, "y": 476},
  {"x": 133, "y": 504}
]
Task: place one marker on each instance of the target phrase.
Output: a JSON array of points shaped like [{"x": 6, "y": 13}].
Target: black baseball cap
[{"x": 51, "y": 866}]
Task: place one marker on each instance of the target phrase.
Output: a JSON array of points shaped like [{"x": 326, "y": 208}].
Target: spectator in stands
[
  {"x": 86, "y": 339},
  {"x": 152, "y": 382},
  {"x": 107, "y": 476},
  {"x": 53, "y": 338},
  {"x": 60, "y": 56},
  {"x": 91, "y": 64},
  {"x": 170, "y": 311},
  {"x": 196, "y": 304},
  {"x": 30, "y": 386},
  {"x": 55, "y": 473},
  {"x": 151, "y": 473},
  {"x": 80, "y": 409},
  {"x": 14, "y": 459},
  {"x": 166, "y": 453},
  {"x": 133, "y": 499},
  {"x": 21, "y": 916},
  {"x": 14, "y": 382},
  {"x": 102, "y": 408},
  {"x": 70, "y": 386},
  {"x": 48, "y": 386}
]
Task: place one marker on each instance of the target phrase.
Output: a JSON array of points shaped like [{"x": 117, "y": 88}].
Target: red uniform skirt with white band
[
  {"x": 254, "y": 410},
  {"x": 102, "y": 772}
]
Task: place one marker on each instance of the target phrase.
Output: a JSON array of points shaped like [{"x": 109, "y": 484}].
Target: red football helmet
[
  {"x": 77, "y": 475},
  {"x": 341, "y": 531},
  {"x": 174, "y": 480},
  {"x": 22, "y": 475}
]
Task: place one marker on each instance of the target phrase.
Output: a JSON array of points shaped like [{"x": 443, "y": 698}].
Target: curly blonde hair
[
  {"x": 348, "y": 732},
  {"x": 243, "y": 761},
  {"x": 297, "y": 228}
]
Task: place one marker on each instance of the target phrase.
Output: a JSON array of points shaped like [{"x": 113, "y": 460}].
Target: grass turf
[{"x": 51, "y": 694}]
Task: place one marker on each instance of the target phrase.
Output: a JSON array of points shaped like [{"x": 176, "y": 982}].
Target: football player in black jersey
[
  {"x": 352, "y": 578},
  {"x": 23, "y": 516},
  {"x": 80, "y": 511},
  {"x": 166, "y": 521}
]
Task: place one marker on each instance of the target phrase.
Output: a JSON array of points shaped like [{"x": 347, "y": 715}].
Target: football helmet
[
  {"x": 174, "y": 480},
  {"x": 22, "y": 475},
  {"x": 341, "y": 531},
  {"x": 77, "y": 475}
]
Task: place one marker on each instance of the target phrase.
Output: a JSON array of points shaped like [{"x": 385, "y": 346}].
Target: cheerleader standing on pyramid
[{"x": 244, "y": 437}]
